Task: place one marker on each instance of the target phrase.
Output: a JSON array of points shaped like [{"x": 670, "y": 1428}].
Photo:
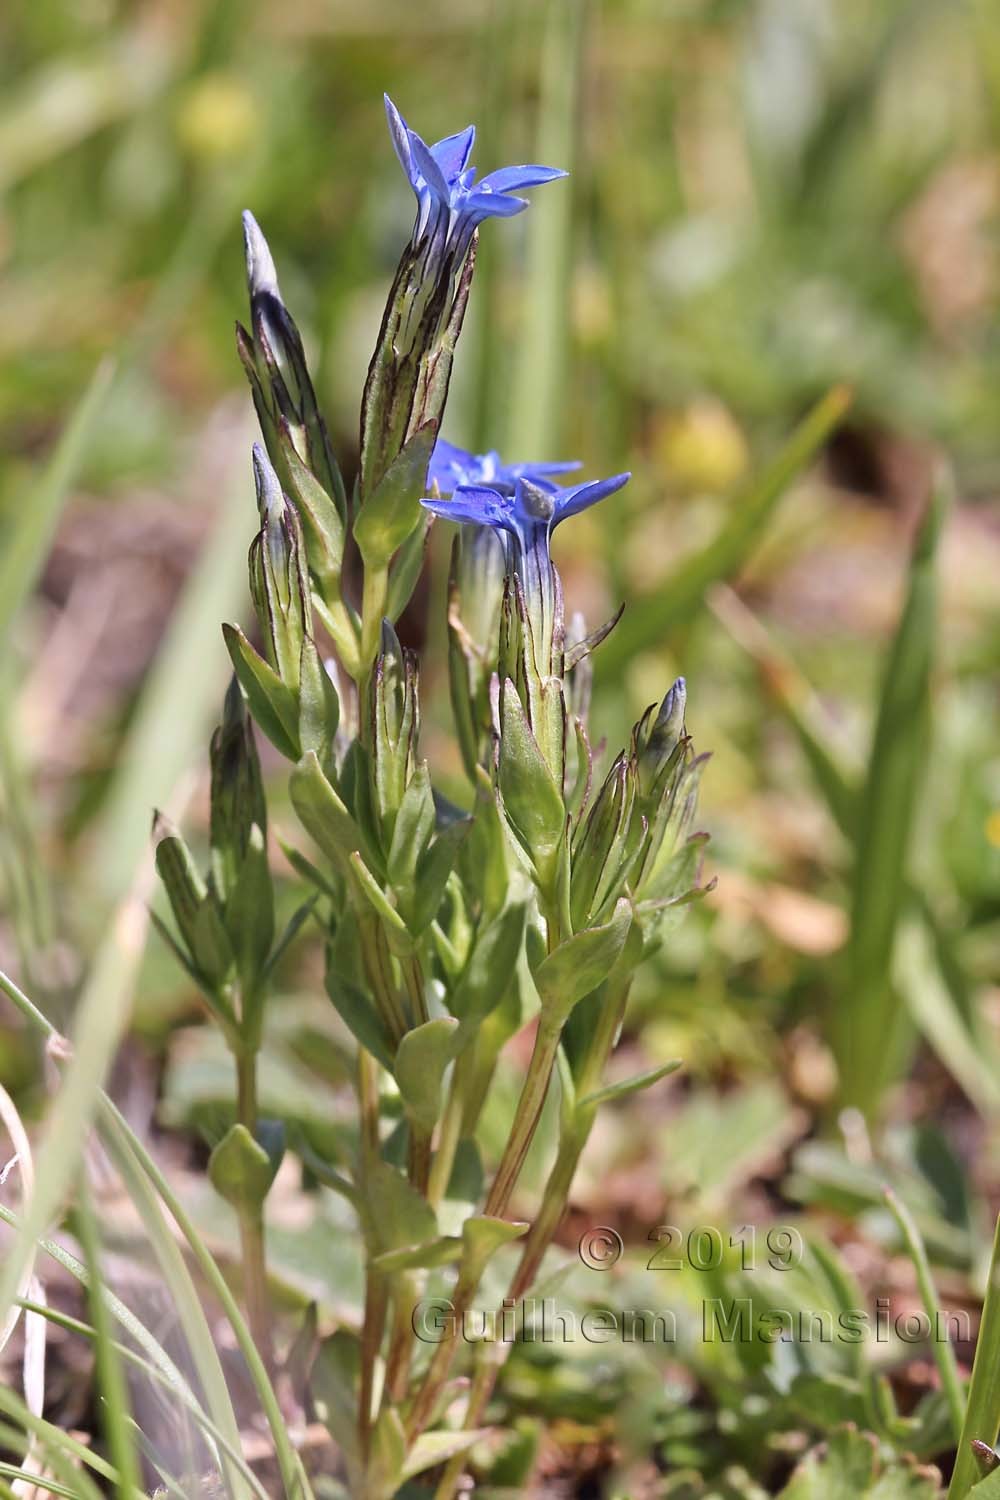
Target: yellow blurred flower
[
  {"x": 701, "y": 449},
  {"x": 993, "y": 828},
  {"x": 216, "y": 117}
]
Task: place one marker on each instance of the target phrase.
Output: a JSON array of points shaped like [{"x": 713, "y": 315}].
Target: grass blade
[
  {"x": 27, "y": 542},
  {"x": 650, "y": 617},
  {"x": 122, "y": 1141},
  {"x": 543, "y": 357},
  {"x": 790, "y": 691},
  {"x": 152, "y": 1371},
  {"x": 944, "y": 1354},
  {"x": 101, "y": 1017},
  {"x": 982, "y": 1407},
  {"x": 114, "y": 1404},
  {"x": 866, "y": 1023}
]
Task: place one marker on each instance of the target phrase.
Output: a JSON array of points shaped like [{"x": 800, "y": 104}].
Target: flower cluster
[
  {"x": 447, "y": 928},
  {"x": 524, "y": 514}
]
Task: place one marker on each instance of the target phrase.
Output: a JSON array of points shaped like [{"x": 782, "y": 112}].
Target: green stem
[
  {"x": 529, "y": 1109},
  {"x": 374, "y": 601},
  {"x": 440, "y": 1366},
  {"x": 449, "y": 1135},
  {"x": 376, "y": 1295},
  {"x": 251, "y": 1218},
  {"x": 527, "y": 1115},
  {"x": 982, "y": 1408},
  {"x": 546, "y": 1223}
]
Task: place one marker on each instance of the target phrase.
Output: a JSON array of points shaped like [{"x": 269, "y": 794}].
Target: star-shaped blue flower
[
  {"x": 452, "y": 468},
  {"x": 450, "y": 202},
  {"x": 526, "y": 520}
]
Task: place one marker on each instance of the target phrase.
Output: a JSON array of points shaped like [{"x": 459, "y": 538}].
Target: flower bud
[
  {"x": 605, "y": 845},
  {"x": 275, "y": 365},
  {"x": 395, "y": 728},
  {"x": 237, "y": 794},
  {"x": 279, "y": 583}
]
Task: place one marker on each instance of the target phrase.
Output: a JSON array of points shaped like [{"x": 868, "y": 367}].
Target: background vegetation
[{"x": 771, "y": 291}]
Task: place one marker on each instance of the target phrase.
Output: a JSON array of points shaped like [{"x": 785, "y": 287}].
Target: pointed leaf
[
  {"x": 581, "y": 963},
  {"x": 482, "y": 1237},
  {"x": 271, "y": 703},
  {"x": 421, "y": 1060},
  {"x": 433, "y": 1448},
  {"x": 440, "y": 1252},
  {"x": 388, "y": 516},
  {"x": 531, "y": 798},
  {"x": 398, "y": 1216},
  {"x": 322, "y": 813},
  {"x": 629, "y": 1085},
  {"x": 489, "y": 972},
  {"x": 240, "y": 1169},
  {"x": 359, "y": 1016}
]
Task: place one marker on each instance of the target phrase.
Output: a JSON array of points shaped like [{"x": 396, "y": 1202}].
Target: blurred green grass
[{"x": 770, "y": 200}]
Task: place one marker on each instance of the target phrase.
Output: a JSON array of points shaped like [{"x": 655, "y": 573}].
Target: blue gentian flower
[
  {"x": 450, "y": 202},
  {"x": 525, "y": 521},
  {"x": 452, "y": 468}
]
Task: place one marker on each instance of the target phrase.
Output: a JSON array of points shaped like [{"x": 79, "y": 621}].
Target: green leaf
[
  {"x": 988, "y": 1488},
  {"x": 365, "y": 883},
  {"x": 412, "y": 833},
  {"x": 182, "y": 880},
  {"x": 421, "y": 1059},
  {"x": 359, "y": 1016},
  {"x": 849, "y": 1467},
  {"x": 398, "y": 1216},
  {"x": 581, "y": 963},
  {"x": 249, "y": 912},
  {"x": 406, "y": 570},
  {"x": 319, "y": 706},
  {"x": 241, "y": 1171},
  {"x": 433, "y": 1448},
  {"x": 444, "y": 1251},
  {"x": 213, "y": 952},
  {"x": 322, "y": 525},
  {"x": 866, "y": 1033},
  {"x": 482, "y": 1237},
  {"x": 435, "y": 867},
  {"x": 322, "y": 813},
  {"x": 530, "y": 796},
  {"x": 390, "y": 514},
  {"x": 334, "y": 1386},
  {"x": 489, "y": 972},
  {"x": 271, "y": 703},
  {"x": 629, "y": 1085},
  {"x": 388, "y": 1451}
]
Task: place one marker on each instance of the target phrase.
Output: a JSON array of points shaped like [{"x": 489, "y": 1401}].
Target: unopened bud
[{"x": 279, "y": 582}]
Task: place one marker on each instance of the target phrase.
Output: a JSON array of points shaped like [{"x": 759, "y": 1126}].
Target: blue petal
[
  {"x": 513, "y": 179},
  {"x": 449, "y": 466},
  {"x": 452, "y": 154},
  {"x": 539, "y": 472},
  {"x": 572, "y": 501},
  {"x": 492, "y": 205},
  {"x": 429, "y": 169},
  {"x": 474, "y": 503},
  {"x": 400, "y": 139}
]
